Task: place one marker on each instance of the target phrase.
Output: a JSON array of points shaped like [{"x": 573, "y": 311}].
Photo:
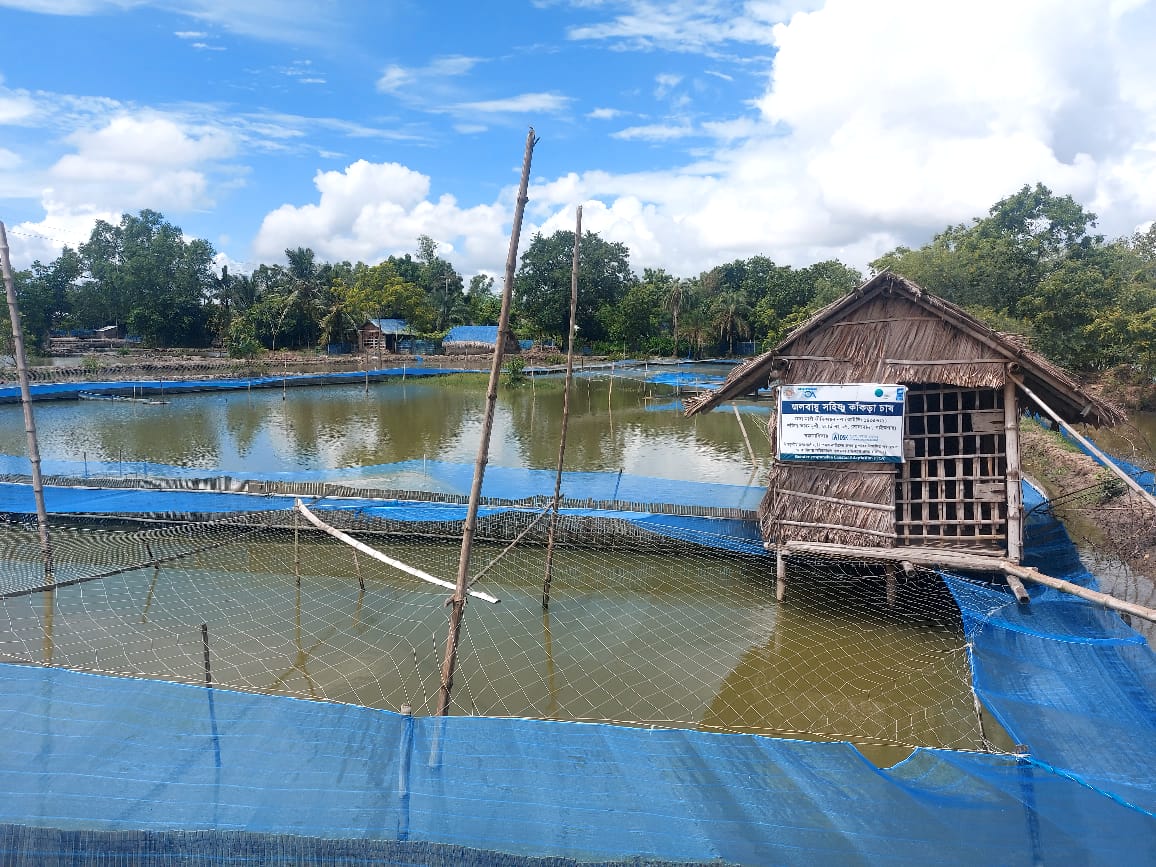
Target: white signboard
[{"x": 857, "y": 422}]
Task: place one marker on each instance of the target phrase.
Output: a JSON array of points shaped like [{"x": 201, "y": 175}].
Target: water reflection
[{"x": 339, "y": 427}]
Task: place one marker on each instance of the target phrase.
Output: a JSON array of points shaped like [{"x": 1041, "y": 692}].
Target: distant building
[{"x": 382, "y": 335}]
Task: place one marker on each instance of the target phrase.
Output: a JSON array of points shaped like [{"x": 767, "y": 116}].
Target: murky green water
[
  {"x": 641, "y": 636},
  {"x": 336, "y": 427}
]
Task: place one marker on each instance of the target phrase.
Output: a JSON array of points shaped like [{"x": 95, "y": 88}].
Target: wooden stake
[
  {"x": 565, "y": 411},
  {"x": 458, "y": 600},
  {"x": 26, "y": 404},
  {"x": 780, "y": 576}
]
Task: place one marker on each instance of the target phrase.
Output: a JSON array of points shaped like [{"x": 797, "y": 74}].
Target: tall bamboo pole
[
  {"x": 565, "y": 410},
  {"x": 26, "y": 403},
  {"x": 457, "y": 602}
]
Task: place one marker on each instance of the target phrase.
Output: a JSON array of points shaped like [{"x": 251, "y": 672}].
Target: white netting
[{"x": 640, "y": 629}]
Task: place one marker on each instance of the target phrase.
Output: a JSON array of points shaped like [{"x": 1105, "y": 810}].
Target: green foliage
[
  {"x": 243, "y": 342},
  {"x": 542, "y": 286},
  {"x": 142, "y": 273},
  {"x": 515, "y": 370}
]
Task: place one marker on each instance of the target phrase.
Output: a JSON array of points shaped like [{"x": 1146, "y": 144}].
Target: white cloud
[
  {"x": 883, "y": 123},
  {"x": 144, "y": 161},
  {"x": 655, "y": 132},
  {"x": 521, "y": 104},
  {"x": 62, "y": 225},
  {"x": 605, "y": 113},
  {"x": 421, "y": 84},
  {"x": 372, "y": 210},
  {"x": 299, "y": 21}
]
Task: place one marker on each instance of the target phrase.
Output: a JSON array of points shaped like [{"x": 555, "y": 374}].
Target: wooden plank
[{"x": 987, "y": 422}]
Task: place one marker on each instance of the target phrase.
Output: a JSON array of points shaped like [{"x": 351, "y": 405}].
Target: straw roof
[{"x": 890, "y": 330}]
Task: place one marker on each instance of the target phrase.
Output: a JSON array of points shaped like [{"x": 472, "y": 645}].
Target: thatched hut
[
  {"x": 475, "y": 340},
  {"x": 951, "y": 481}
]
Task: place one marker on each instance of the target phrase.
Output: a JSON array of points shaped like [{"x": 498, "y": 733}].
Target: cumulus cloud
[
  {"x": 139, "y": 162},
  {"x": 369, "y": 211},
  {"x": 882, "y": 123}
]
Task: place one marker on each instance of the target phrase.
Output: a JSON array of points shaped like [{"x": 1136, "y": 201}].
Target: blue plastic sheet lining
[
  {"x": 729, "y": 534},
  {"x": 89, "y": 752}
]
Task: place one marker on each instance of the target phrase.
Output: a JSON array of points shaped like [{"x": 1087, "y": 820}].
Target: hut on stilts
[{"x": 946, "y": 489}]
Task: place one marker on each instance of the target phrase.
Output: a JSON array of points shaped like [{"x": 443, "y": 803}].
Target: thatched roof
[{"x": 890, "y": 330}]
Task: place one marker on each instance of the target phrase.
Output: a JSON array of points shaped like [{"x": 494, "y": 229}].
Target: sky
[{"x": 695, "y": 132}]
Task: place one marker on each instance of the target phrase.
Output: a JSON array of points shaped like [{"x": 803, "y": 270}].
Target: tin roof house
[
  {"x": 896, "y": 429},
  {"x": 382, "y": 334}
]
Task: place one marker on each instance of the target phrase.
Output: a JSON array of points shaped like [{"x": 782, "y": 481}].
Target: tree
[
  {"x": 44, "y": 294},
  {"x": 379, "y": 291},
  {"x": 442, "y": 283},
  {"x": 542, "y": 286},
  {"x": 143, "y": 274},
  {"x": 485, "y": 308}
]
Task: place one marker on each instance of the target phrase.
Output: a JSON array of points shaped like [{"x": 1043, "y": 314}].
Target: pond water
[
  {"x": 627, "y": 424},
  {"x": 636, "y": 634}
]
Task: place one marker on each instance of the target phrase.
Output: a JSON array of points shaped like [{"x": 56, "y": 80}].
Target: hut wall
[{"x": 950, "y": 492}]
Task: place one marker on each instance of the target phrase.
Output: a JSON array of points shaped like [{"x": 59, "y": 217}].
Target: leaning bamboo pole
[
  {"x": 401, "y": 566},
  {"x": 458, "y": 600},
  {"x": 565, "y": 411},
  {"x": 26, "y": 403},
  {"x": 1100, "y": 457}
]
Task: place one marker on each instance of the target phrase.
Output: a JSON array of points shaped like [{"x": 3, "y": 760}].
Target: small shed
[
  {"x": 381, "y": 335},
  {"x": 475, "y": 339},
  {"x": 953, "y": 481}
]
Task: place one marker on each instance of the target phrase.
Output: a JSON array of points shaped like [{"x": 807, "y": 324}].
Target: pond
[
  {"x": 628, "y": 424},
  {"x": 635, "y": 633}
]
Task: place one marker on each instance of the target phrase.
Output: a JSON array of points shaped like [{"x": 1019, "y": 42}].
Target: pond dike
[{"x": 156, "y": 389}]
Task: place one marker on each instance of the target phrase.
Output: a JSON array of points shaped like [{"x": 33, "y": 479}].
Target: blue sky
[{"x": 694, "y": 132}]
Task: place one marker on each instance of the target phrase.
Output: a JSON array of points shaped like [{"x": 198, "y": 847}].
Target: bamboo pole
[
  {"x": 935, "y": 558},
  {"x": 458, "y": 600},
  {"x": 1028, "y": 574},
  {"x": 1103, "y": 459},
  {"x": 1015, "y": 494},
  {"x": 377, "y": 555},
  {"x": 565, "y": 411},
  {"x": 746, "y": 439},
  {"x": 26, "y": 403}
]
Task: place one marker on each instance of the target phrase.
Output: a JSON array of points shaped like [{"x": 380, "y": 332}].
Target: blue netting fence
[{"x": 216, "y": 681}]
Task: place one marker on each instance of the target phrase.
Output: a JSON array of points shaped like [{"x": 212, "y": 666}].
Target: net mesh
[{"x": 640, "y": 629}]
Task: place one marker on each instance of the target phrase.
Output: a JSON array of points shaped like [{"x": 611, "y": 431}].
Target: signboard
[{"x": 855, "y": 422}]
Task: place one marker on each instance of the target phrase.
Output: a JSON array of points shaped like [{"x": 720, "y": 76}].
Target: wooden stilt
[
  {"x": 892, "y": 584},
  {"x": 1015, "y": 497},
  {"x": 780, "y": 575}
]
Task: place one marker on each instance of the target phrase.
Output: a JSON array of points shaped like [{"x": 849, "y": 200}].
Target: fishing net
[{"x": 641, "y": 629}]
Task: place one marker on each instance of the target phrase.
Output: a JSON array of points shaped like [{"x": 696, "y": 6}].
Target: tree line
[{"x": 1032, "y": 266}]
